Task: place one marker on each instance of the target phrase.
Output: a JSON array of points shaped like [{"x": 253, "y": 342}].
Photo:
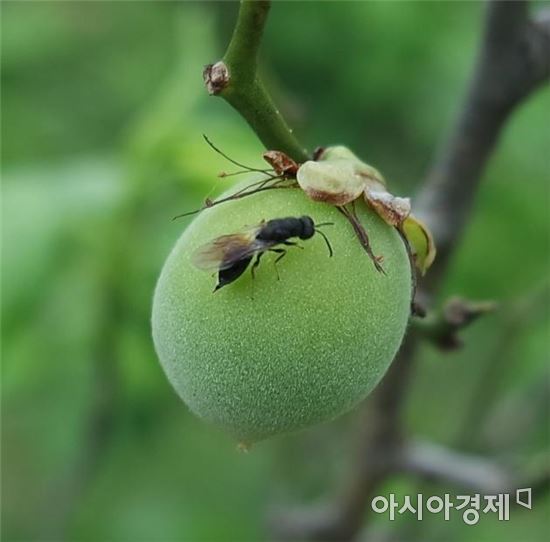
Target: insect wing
[{"x": 225, "y": 251}]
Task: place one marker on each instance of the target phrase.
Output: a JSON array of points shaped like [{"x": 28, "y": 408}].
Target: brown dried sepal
[
  {"x": 392, "y": 209},
  {"x": 282, "y": 164}
]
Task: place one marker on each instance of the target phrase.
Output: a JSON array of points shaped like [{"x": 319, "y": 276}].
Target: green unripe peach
[{"x": 266, "y": 356}]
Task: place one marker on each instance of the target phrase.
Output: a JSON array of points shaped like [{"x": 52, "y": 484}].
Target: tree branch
[
  {"x": 470, "y": 473},
  {"x": 377, "y": 455},
  {"x": 436, "y": 463},
  {"x": 513, "y": 61},
  {"x": 236, "y": 79},
  {"x": 442, "y": 327}
]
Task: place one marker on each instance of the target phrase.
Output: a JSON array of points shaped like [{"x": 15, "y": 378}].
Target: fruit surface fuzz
[{"x": 266, "y": 356}]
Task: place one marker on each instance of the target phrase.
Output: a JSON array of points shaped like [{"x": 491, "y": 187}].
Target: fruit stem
[{"x": 236, "y": 79}]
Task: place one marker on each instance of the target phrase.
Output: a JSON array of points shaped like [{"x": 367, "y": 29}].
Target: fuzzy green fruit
[{"x": 269, "y": 356}]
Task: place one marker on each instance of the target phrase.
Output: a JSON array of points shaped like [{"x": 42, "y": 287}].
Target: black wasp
[{"x": 232, "y": 254}]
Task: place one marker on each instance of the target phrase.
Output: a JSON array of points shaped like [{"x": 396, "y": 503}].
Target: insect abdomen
[{"x": 231, "y": 274}]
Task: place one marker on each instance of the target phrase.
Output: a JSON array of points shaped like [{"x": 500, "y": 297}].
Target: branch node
[
  {"x": 216, "y": 77},
  {"x": 459, "y": 312},
  {"x": 442, "y": 328}
]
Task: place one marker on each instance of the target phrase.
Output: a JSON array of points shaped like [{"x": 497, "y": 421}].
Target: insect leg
[
  {"x": 282, "y": 254},
  {"x": 255, "y": 264},
  {"x": 292, "y": 244}
]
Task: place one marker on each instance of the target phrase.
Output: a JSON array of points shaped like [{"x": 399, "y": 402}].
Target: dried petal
[
  {"x": 392, "y": 209},
  {"x": 338, "y": 152},
  {"x": 336, "y": 182},
  {"x": 338, "y": 177},
  {"x": 341, "y": 153},
  {"x": 421, "y": 242}
]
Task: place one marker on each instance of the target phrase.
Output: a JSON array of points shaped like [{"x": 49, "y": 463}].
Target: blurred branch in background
[
  {"x": 514, "y": 59},
  {"x": 516, "y": 317},
  {"x": 468, "y": 472},
  {"x": 100, "y": 425},
  {"x": 442, "y": 327}
]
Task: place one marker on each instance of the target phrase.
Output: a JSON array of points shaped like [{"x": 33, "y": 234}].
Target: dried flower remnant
[
  {"x": 338, "y": 177},
  {"x": 282, "y": 175},
  {"x": 335, "y": 182},
  {"x": 282, "y": 164}
]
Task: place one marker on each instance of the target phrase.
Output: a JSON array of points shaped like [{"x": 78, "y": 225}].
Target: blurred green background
[{"x": 103, "y": 108}]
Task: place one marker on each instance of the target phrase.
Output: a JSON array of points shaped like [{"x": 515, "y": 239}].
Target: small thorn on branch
[
  {"x": 216, "y": 77},
  {"x": 442, "y": 328}
]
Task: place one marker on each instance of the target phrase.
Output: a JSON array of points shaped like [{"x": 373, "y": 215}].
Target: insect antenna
[
  {"x": 330, "y": 251},
  {"x": 324, "y": 224}
]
